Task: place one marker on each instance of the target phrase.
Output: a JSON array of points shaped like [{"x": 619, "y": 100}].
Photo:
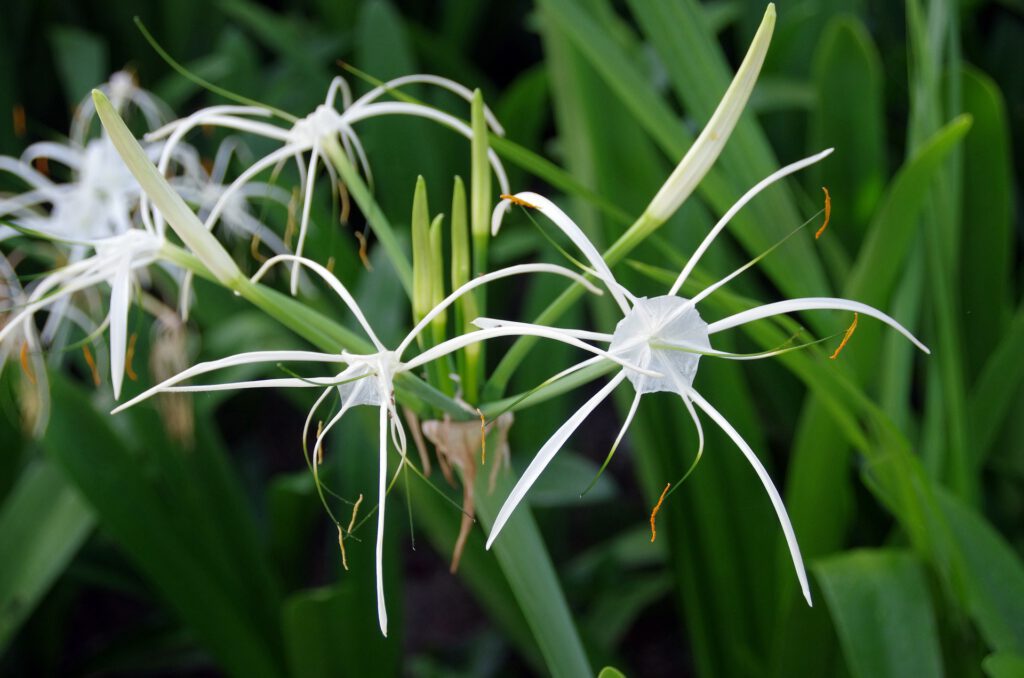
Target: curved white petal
[
  {"x": 426, "y": 78},
  {"x": 523, "y": 329},
  {"x": 120, "y": 297},
  {"x": 575, "y": 234},
  {"x": 382, "y": 613},
  {"x": 731, "y": 212},
  {"x": 331, "y": 280},
  {"x": 484, "y": 279},
  {"x": 585, "y": 335},
  {"x": 354, "y": 115},
  {"x": 307, "y": 204},
  {"x": 248, "y": 358},
  {"x": 812, "y": 304},
  {"x": 546, "y": 454},
  {"x": 773, "y": 494}
]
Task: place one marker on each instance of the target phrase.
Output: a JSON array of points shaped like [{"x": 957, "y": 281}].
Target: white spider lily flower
[
  {"x": 311, "y": 134},
  {"x": 368, "y": 379},
  {"x": 117, "y": 262},
  {"x": 667, "y": 335},
  {"x": 93, "y": 220}
]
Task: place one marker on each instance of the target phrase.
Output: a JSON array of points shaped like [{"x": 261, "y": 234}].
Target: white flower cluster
[{"x": 105, "y": 228}]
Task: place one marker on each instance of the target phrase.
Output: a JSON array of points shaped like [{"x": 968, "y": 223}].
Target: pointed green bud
[
  {"x": 174, "y": 210},
  {"x": 481, "y": 200},
  {"x": 421, "y": 276},
  {"x": 708, "y": 146}
]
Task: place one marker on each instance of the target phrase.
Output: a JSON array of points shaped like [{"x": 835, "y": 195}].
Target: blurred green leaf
[
  {"x": 164, "y": 536},
  {"x": 882, "y": 609},
  {"x": 81, "y": 59},
  {"x": 994, "y": 576},
  {"x": 567, "y": 476},
  {"x": 611, "y": 672},
  {"x": 1003, "y": 665},
  {"x": 326, "y": 634},
  {"x": 43, "y": 523},
  {"x": 988, "y": 236},
  {"x": 849, "y": 113}
]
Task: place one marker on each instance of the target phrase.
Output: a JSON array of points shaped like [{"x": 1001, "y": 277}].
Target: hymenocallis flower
[
  {"x": 667, "y": 335},
  {"x": 368, "y": 378},
  {"x": 318, "y": 134},
  {"x": 94, "y": 221}
]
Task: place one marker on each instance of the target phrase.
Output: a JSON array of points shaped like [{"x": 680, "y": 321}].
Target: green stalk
[{"x": 467, "y": 361}]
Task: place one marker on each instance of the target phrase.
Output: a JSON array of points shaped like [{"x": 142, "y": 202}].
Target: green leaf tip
[{"x": 171, "y": 205}]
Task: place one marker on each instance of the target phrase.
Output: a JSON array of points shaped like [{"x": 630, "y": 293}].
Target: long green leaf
[
  {"x": 882, "y": 610},
  {"x": 43, "y": 523}
]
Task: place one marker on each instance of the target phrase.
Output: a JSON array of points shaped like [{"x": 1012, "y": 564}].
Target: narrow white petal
[
  {"x": 331, "y": 280},
  {"x": 585, "y": 335},
  {"x": 546, "y": 454},
  {"x": 260, "y": 165},
  {"x": 811, "y": 304},
  {"x": 354, "y": 115},
  {"x": 731, "y": 212},
  {"x": 252, "y": 357},
  {"x": 522, "y": 329},
  {"x": 773, "y": 494},
  {"x": 576, "y": 235},
  {"x": 307, "y": 204},
  {"x": 120, "y": 297},
  {"x": 484, "y": 279},
  {"x": 382, "y": 613},
  {"x": 450, "y": 85},
  {"x": 283, "y": 382}
]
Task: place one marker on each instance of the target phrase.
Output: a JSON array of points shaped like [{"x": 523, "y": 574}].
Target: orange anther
[
  {"x": 25, "y": 367},
  {"x": 483, "y": 437},
  {"x": 657, "y": 507},
  {"x": 254, "y": 248},
  {"x": 362, "y": 251},
  {"x": 341, "y": 544},
  {"x": 828, "y": 213},
  {"x": 846, "y": 337},
  {"x": 128, "y": 355},
  {"x": 18, "y": 115},
  {"x": 91, "y": 362},
  {"x": 517, "y": 201}
]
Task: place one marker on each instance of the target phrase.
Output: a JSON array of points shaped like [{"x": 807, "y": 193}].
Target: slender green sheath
[
  {"x": 480, "y": 187},
  {"x": 441, "y": 369},
  {"x": 468, "y": 359},
  {"x": 481, "y": 201},
  {"x": 421, "y": 278}
]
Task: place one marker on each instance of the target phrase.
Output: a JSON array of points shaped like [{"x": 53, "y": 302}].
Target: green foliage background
[{"x": 123, "y": 552}]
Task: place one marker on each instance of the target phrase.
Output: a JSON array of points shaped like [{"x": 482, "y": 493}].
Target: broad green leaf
[
  {"x": 43, "y": 523},
  {"x": 993, "y": 576},
  {"x": 326, "y": 634},
  {"x": 158, "y": 531},
  {"x": 882, "y": 610},
  {"x": 1003, "y": 665},
  {"x": 848, "y": 84},
  {"x": 991, "y": 398},
  {"x": 988, "y": 236},
  {"x": 611, "y": 672},
  {"x": 568, "y": 474}
]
